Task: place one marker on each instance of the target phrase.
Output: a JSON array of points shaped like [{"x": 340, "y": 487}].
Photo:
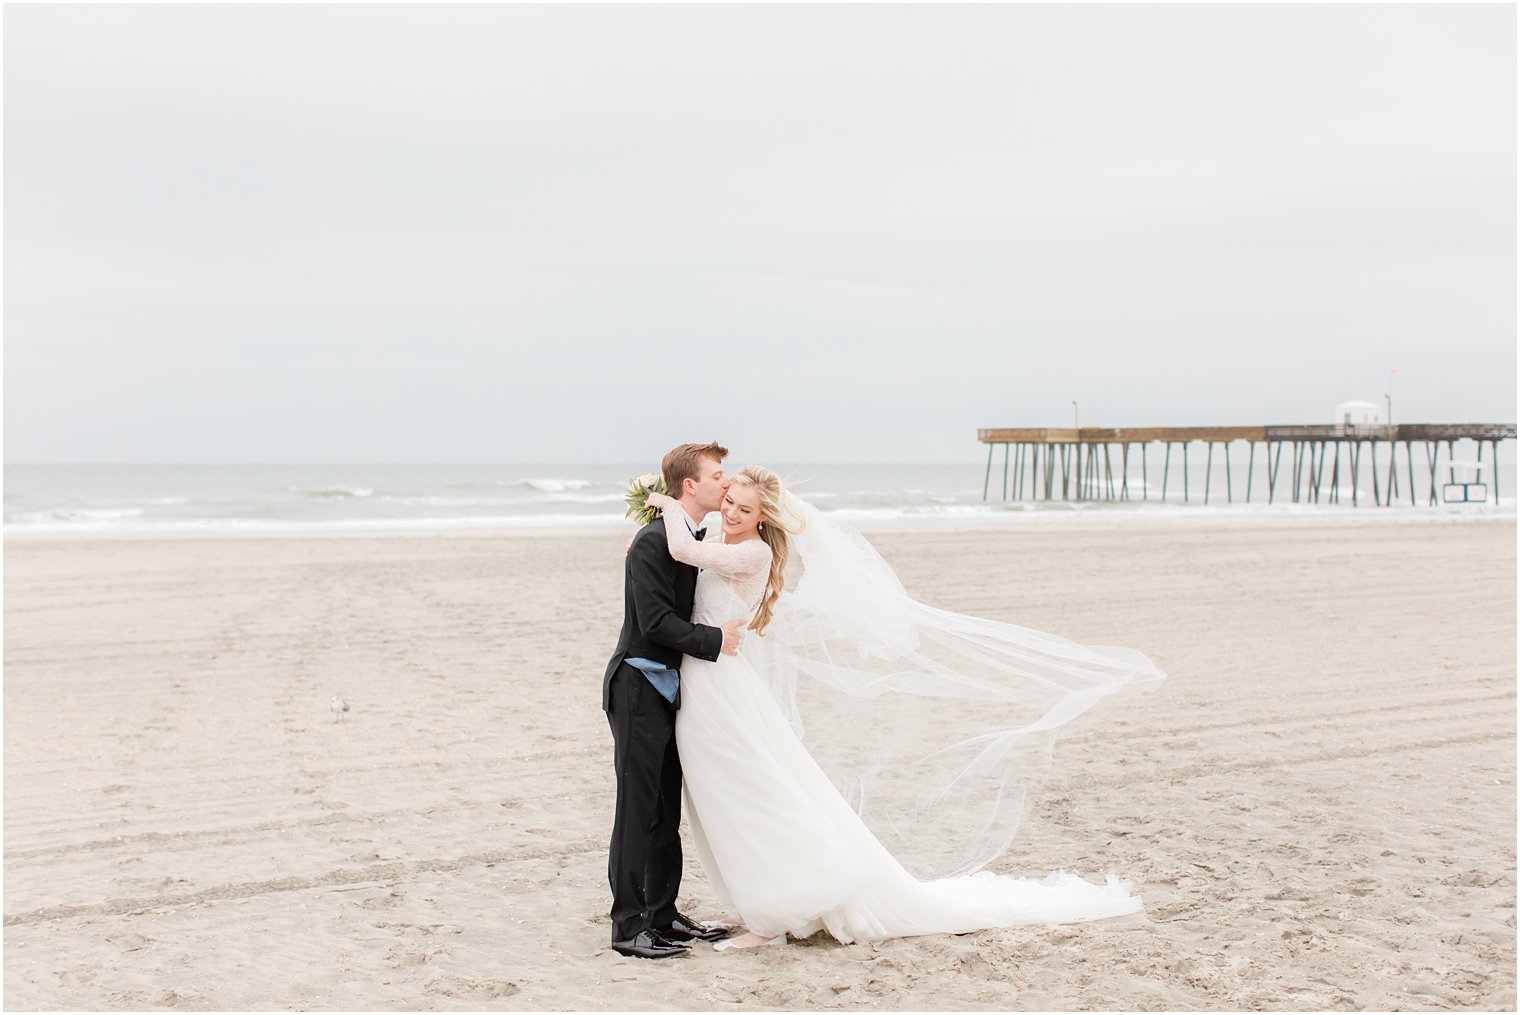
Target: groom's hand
[{"x": 732, "y": 636}]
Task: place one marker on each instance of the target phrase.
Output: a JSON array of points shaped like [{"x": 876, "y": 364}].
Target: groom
[{"x": 640, "y": 694}]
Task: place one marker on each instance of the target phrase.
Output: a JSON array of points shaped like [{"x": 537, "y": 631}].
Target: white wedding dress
[{"x": 783, "y": 850}]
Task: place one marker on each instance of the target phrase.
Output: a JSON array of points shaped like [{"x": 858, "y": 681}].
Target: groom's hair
[{"x": 685, "y": 462}]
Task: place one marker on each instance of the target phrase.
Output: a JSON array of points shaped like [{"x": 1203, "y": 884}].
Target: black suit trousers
[{"x": 644, "y": 861}]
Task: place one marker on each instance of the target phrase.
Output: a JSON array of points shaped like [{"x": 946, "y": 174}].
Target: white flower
[{"x": 648, "y": 479}]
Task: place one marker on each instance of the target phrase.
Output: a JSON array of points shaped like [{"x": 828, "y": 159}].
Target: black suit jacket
[{"x": 658, "y": 591}]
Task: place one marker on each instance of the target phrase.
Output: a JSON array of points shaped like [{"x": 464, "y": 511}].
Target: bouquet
[{"x": 638, "y": 497}]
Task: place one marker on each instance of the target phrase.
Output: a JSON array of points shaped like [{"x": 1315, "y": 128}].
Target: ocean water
[{"x": 74, "y": 500}]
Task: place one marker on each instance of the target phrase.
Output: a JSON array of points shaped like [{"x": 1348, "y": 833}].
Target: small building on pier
[{"x": 1358, "y": 413}]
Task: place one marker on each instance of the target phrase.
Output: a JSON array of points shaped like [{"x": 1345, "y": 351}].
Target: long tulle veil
[{"x": 937, "y": 727}]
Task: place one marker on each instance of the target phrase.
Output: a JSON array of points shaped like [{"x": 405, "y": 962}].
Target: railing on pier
[{"x": 1032, "y": 453}]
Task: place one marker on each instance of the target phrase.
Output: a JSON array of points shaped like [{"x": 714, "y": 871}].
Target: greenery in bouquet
[{"x": 637, "y": 497}]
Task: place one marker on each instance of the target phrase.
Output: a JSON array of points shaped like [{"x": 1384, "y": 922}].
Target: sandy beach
[{"x": 1318, "y": 807}]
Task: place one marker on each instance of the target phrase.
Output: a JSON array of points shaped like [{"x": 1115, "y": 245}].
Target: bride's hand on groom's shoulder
[{"x": 658, "y": 500}]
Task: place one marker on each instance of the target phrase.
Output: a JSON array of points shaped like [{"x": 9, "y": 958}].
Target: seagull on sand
[{"x": 338, "y": 706}]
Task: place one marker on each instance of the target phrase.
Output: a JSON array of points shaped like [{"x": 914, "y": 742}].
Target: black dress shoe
[
  {"x": 683, "y": 929},
  {"x": 649, "y": 945}
]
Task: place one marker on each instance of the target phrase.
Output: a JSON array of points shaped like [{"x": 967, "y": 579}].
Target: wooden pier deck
[{"x": 1031, "y": 455}]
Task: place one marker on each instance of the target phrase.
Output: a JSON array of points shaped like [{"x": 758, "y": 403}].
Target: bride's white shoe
[{"x": 730, "y": 942}]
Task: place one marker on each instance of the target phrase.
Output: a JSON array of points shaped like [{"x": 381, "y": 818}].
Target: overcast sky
[{"x": 824, "y": 233}]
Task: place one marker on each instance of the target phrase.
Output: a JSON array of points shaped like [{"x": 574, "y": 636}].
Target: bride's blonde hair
[{"x": 775, "y": 532}]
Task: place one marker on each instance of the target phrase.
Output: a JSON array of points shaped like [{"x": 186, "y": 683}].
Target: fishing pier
[{"x": 1094, "y": 463}]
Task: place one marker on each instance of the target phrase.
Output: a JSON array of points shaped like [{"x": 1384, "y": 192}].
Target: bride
[{"x": 855, "y": 765}]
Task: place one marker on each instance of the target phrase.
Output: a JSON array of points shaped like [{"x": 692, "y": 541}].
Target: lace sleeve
[{"x": 740, "y": 560}]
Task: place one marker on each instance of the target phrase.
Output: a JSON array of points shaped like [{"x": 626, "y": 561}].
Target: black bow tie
[{"x": 699, "y": 534}]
